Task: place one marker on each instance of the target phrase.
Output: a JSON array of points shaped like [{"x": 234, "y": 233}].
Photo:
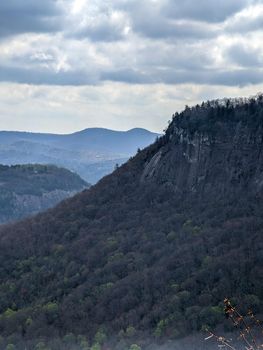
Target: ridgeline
[{"x": 154, "y": 247}]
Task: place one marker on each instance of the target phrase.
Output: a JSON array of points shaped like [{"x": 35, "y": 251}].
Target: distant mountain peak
[
  {"x": 140, "y": 130},
  {"x": 106, "y": 130}
]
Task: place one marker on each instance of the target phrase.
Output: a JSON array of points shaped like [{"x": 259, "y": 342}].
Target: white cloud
[
  {"x": 123, "y": 63},
  {"x": 116, "y": 106},
  {"x": 250, "y": 19}
]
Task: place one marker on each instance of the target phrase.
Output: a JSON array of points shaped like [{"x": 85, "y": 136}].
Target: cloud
[
  {"x": 245, "y": 55},
  {"x": 129, "y": 41},
  {"x": 236, "y": 77},
  {"x": 25, "y": 16},
  {"x": 149, "y": 19},
  {"x": 71, "y": 64},
  {"x": 248, "y": 20},
  {"x": 65, "y": 109},
  {"x": 180, "y": 20},
  {"x": 160, "y": 28},
  {"x": 98, "y": 21},
  {"x": 107, "y": 26},
  {"x": 203, "y": 10},
  {"x": 129, "y": 76},
  {"x": 104, "y": 31},
  {"x": 36, "y": 76}
]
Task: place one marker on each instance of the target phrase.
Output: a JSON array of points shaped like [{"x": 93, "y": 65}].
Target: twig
[
  {"x": 221, "y": 340},
  {"x": 236, "y": 318}
]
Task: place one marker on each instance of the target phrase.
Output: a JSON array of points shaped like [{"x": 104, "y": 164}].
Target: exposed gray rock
[{"x": 232, "y": 159}]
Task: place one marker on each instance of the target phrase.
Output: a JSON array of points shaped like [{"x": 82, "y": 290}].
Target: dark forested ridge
[
  {"x": 152, "y": 248},
  {"x": 28, "y": 189}
]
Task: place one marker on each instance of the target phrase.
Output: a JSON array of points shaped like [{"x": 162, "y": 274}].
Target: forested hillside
[
  {"x": 28, "y": 189},
  {"x": 152, "y": 250}
]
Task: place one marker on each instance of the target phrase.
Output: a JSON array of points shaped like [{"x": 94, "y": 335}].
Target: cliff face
[
  {"x": 219, "y": 162},
  {"x": 157, "y": 245}
]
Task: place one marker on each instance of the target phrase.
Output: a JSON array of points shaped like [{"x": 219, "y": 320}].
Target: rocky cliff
[
  {"x": 152, "y": 249},
  {"x": 210, "y": 157}
]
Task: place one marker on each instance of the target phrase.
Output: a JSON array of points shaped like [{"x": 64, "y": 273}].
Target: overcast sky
[{"x": 67, "y": 65}]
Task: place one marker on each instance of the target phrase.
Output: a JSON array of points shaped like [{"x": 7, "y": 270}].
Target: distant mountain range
[
  {"x": 92, "y": 153},
  {"x": 28, "y": 189},
  {"x": 150, "y": 252}
]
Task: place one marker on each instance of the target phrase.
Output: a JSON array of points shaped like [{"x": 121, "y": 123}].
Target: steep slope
[
  {"x": 155, "y": 246},
  {"x": 92, "y": 153},
  {"x": 28, "y": 189}
]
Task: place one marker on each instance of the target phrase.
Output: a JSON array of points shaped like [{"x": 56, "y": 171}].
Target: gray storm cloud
[
  {"x": 25, "y": 16},
  {"x": 204, "y": 10},
  {"x": 120, "y": 35}
]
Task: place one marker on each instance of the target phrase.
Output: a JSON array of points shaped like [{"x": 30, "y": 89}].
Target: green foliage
[
  {"x": 130, "y": 332},
  {"x": 154, "y": 246},
  {"x": 95, "y": 346},
  {"x": 135, "y": 347},
  {"x": 100, "y": 337},
  {"x": 51, "y": 311},
  {"x": 10, "y": 347},
  {"x": 161, "y": 327},
  {"x": 211, "y": 316},
  {"x": 83, "y": 342},
  {"x": 29, "y": 322},
  {"x": 41, "y": 346},
  {"x": 9, "y": 313},
  {"x": 69, "y": 338}
]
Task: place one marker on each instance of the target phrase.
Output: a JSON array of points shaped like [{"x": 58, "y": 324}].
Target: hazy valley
[{"x": 91, "y": 153}]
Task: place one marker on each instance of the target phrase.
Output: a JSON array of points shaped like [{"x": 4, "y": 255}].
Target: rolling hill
[
  {"x": 28, "y": 189},
  {"x": 151, "y": 251},
  {"x": 92, "y": 153}
]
